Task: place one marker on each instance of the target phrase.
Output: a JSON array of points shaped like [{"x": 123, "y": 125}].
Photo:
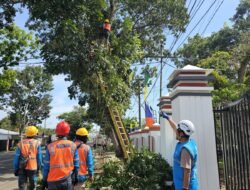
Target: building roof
[{"x": 8, "y": 132}]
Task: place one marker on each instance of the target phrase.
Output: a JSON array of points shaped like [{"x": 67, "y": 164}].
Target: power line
[
  {"x": 200, "y": 3},
  {"x": 189, "y": 3},
  {"x": 197, "y": 23},
  {"x": 175, "y": 41},
  {"x": 192, "y": 7},
  {"x": 212, "y": 17}
]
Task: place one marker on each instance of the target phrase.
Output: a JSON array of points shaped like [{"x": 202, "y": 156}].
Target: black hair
[
  {"x": 84, "y": 139},
  {"x": 184, "y": 134}
]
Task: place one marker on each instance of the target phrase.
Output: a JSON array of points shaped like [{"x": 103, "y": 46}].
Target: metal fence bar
[
  {"x": 234, "y": 147},
  {"x": 234, "y": 140}
]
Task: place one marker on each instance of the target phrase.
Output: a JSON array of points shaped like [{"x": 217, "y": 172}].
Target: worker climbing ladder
[{"x": 118, "y": 125}]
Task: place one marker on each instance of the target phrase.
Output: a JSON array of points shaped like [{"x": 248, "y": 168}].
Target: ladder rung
[{"x": 115, "y": 113}]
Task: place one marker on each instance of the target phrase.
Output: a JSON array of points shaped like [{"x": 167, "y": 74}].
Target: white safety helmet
[{"x": 186, "y": 126}]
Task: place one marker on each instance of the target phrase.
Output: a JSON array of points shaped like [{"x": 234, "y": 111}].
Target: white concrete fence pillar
[
  {"x": 191, "y": 99},
  {"x": 167, "y": 140}
]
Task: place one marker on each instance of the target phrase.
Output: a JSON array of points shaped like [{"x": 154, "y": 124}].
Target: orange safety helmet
[{"x": 62, "y": 128}]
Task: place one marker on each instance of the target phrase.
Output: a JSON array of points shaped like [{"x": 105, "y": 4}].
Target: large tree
[
  {"x": 71, "y": 35},
  {"x": 27, "y": 101}
]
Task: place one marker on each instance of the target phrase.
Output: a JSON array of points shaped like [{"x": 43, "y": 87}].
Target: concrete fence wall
[{"x": 191, "y": 99}]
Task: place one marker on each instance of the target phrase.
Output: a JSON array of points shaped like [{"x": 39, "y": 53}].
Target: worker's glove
[
  {"x": 164, "y": 115},
  {"x": 16, "y": 173},
  {"x": 74, "y": 178}
]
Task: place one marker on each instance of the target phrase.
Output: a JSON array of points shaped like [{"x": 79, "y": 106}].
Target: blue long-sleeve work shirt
[
  {"x": 46, "y": 165},
  {"x": 90, "y": 164},
  {"x": 38, "y": 156}
]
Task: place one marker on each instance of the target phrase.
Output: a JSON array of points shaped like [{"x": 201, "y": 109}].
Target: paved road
[{"x": 7, "y": 179}]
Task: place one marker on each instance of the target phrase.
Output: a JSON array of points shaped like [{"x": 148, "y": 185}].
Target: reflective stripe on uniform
[
  {"x": 61, "y": 166},
  {"x": 51, "y": 150}
]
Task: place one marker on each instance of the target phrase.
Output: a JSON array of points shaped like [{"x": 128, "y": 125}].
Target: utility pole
[
  {"x": 161, "y": 69},
  {"x": 161, "y": 74},
  {"x": 138, "y": 84},
  {"x": 139, "y": 98}
]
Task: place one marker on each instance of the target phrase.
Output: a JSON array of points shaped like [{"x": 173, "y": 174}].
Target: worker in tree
[
  {"x": 28, "y": 159},
  {"x": 61, "y": 161},
  {"x": 106, "y": 29},
  {"x": 185, "y": 155},
  {"x": 85, "y": 156}
]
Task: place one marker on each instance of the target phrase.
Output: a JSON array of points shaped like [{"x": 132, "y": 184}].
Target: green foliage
[
  {"x": 71, "y": 35},
  {"x": 130, "y": 122},
  {"x": 76, "y": 118},
  {"x": 15, "y": 46},
  {"x": 198, "y": 47},
  {"x": 7, "y": 12},
  {"x": 225, "y": 51},
  {"x": 145, "y": 170},
  {"x": 27, "y": 101},
  {"x": 242, "y": 17},
  {"x": 6, "y": 123},
  {"x": 231, "y": 92},
  {"x": 7, "y": 79},
  {"x": 46, "y": 131}
]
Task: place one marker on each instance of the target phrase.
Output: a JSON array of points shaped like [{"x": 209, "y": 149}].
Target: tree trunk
[{"x": 243, "y": 70}]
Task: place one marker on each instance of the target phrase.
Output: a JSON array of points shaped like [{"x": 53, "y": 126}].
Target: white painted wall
[
  {"x": 145, "y": 140},
  {"x": 156, "y": 136},
  {"x": 198, "y": 109},
  {"x": 146, "y": 136},
  {"x": 5, "y": 137}
]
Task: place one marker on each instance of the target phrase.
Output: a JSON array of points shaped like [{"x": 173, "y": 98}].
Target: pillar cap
[{"x": 189, "y": 68}]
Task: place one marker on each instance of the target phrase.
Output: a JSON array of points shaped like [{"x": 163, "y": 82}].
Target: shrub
[{"x": 144, "y": 170}]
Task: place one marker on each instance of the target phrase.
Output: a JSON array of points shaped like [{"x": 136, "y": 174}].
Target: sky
[{"x": 61, "y": 102}]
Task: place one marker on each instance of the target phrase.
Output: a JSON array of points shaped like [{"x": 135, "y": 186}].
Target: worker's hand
[
  {"x": 91, "y": 178},
  {"x": 16, "y": 173},
  {"x": 164, "y": 115}
]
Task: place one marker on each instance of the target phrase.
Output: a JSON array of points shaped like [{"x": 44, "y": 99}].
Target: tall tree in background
[
  {"x": 227, "y": 52},
  {"x": 6, "y": 123},
  {"x": 27, "y": 101}
]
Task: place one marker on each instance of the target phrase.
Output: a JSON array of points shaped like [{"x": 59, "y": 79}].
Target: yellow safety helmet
[
  {"x": 31, "y": 131},
  {"x": 82, "y": 132},
  {"x": 106, "y": 20}
]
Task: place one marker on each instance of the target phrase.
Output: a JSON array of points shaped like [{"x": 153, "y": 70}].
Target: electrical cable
[
  {"x": 212, "y": 17},
  {"x": 197, "y": 23}
]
